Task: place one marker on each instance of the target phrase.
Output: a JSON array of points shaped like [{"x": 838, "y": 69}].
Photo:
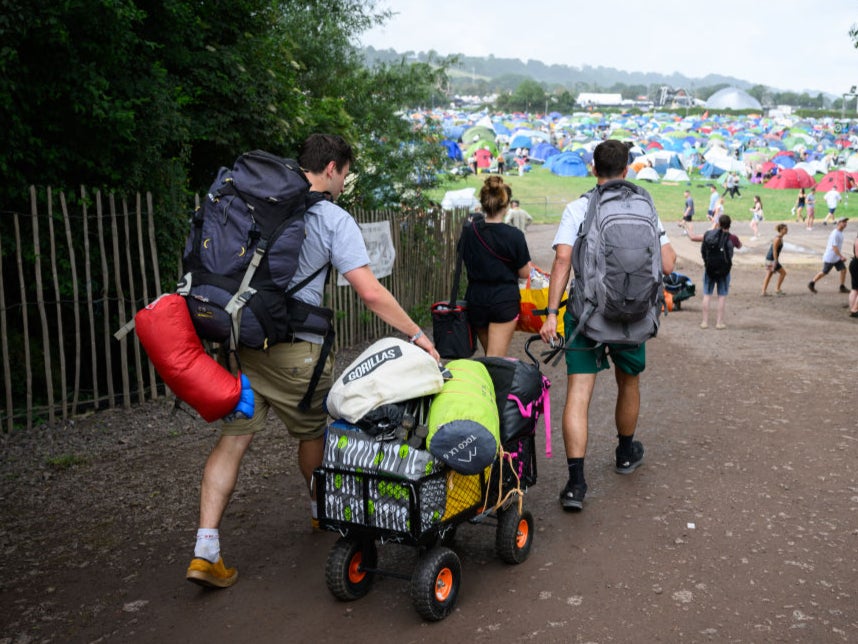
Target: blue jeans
[{"x": 709, "y": 284}]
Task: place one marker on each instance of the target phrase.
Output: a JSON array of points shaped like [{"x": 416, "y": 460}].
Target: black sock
[
  {"x": 576, "y": 470},
  {"x": 625, "y": 442}
]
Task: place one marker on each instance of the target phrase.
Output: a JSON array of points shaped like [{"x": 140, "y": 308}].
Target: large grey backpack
[{"x": 616, "y": 293}]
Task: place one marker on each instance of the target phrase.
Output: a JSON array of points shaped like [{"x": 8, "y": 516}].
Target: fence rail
[{"x": 70, "y": 278}]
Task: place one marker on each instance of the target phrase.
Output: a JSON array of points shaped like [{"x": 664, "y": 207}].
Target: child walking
[{"x": 773, "y": 264}]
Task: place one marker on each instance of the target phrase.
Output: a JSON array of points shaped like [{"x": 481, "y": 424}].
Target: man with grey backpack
[{"x": 614, "y": 240}]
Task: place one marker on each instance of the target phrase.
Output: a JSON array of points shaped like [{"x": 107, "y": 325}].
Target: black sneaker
[
  {"x": 843, "y": 289},
  {"x": 811, "y": 286},
  {"x": 572, "y": 497},
  {"x": 628, "y": 462}
]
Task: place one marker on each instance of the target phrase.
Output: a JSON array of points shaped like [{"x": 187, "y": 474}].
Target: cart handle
[{"x": 556, "y": 345}]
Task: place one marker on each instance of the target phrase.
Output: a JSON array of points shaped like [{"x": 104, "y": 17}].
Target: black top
[{"x": 493, "y": 255}]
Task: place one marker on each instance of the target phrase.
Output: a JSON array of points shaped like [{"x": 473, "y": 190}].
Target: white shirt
[
  {"x": 832, "y": 198},
  {"x": 834, "y": 239},
  {"x": 574, "y": 215}
]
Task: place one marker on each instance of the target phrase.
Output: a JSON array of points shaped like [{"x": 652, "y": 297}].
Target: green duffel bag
[{"x": 464, "y": 428}]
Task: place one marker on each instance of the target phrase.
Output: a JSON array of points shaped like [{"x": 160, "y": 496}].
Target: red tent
[
  {"x": 790, "y": 179},
  {"x": 484, "y": 157},
  {"x": 839, "y": 179}
]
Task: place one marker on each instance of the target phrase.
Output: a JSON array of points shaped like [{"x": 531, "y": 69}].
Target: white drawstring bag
[{"x": 389, "y": 371}]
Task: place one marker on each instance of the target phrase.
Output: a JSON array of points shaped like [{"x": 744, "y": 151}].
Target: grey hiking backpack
[{"x": 616, "y": 292}]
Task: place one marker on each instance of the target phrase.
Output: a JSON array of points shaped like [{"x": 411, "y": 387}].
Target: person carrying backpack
[
  {"x": 717, "y": 247},
  {"x": 279, "y": 374},
  {"x": 607, "y": 331}
]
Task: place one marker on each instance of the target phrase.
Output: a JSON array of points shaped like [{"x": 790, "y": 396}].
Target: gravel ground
[{"x": 740, "y": 526}]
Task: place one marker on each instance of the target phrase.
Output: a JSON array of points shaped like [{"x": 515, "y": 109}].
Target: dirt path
[{"x": 741, "y": 526}]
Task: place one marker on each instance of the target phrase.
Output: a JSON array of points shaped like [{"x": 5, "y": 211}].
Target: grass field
[{"x": 545, "y": 195}]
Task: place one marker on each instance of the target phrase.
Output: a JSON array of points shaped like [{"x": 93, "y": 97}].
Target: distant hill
[{"x": 494, "y": 69}]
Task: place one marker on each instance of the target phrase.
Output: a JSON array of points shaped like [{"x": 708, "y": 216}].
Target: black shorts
[
  {"x": 838, "y": 266},
  {"x": 853, "y": 272},
  {"x": 481, "y": 315}
]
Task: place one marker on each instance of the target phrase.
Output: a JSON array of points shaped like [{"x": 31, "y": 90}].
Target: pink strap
[
  {"x": 532, "y": 410},
  {"x": 546, "y": 384}
]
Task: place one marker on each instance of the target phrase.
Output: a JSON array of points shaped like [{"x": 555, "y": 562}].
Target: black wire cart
[{"x": 391, "y": 493}]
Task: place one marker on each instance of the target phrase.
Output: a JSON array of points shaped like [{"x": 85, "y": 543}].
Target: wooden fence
[{"x": 70, "y": 278}]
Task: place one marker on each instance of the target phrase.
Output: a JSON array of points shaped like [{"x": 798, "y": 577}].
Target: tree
[
  {"x": 131, "y": 94},
  {"x": 528, "y": 96}
]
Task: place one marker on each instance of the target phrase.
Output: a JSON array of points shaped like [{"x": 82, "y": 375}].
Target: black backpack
[
  {"x": 242, "y": 251},
  {"x": 716, "y": 251}
]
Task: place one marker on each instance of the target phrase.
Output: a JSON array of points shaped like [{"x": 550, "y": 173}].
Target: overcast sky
[{"x": 792, "y": 45}]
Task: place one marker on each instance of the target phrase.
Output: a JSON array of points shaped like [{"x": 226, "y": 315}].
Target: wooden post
[
  {"x": 105, "y": 292},
  {"x": 76, "y": 308},
  {"x": 40, "y": 306},
  {"x": 138, "y": 361},
  {"x": 120, "y": 299},
  {"x": 89, "y": 304},
  {"x": 28, "y": 372},
  {"x": 153, "y": 382},
  {"x": 4, "y": 341},
  {"x": 61, "y": 336}
]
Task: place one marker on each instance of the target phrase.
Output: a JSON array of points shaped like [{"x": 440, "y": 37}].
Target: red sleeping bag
[{"x": 167, "y": 334}]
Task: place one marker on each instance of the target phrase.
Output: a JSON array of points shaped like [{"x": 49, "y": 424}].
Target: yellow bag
[{"x": 535, "y": 299}]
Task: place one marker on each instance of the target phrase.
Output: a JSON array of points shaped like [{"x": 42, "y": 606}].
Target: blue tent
[
  {"x": 567, "y": 164},
  {"x": 453, "y": 150},
  {"x": 454, "y": 131},
  {"x": 543, "y": 151},
  {"x": 709, "y": 170},
  {"x": 521, "y": 141}
]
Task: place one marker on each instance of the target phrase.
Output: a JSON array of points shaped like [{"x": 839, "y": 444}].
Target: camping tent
[
  {"x": 647, "y": 174},
  {"x": 732, "y": 98},
  {"x": 453, "y": 150},
  {"x": 673, "y": 174},
  {"x": 839, "y": 179},
  {"x": 790, "y": 179},
  {"x": 567, "y": 164},
  {"x": 542, "y": 152}
]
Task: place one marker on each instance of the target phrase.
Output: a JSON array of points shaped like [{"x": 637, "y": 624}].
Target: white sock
[
  {"x": 313, "y": 509},
  {"x": 208, "y": 544}
]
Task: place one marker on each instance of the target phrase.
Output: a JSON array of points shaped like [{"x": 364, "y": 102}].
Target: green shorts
[
  {"x": 279, "y": 378},
  {"x": 585, "y": 357}
]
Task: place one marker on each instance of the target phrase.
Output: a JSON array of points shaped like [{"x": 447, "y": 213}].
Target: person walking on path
[
  {"x": 280, "y": 374},
  {"x": 496, "y": 257},
  {"x": 773, "y": 261},
  {"x": 756, "y": 216},
  {"x": 721, "y": 283},
  {"x": 517, "y": 216},
  {"x": 853, "y": 274},
  {"x": 811, "y": 207},
  {"x": 610, "y": 161},
  {"x": 687, "y": 213},
  {"x": 800, "y": 202},
  {"x": 832, "y": 200},
  {"x": 713, "y": 203},
  {"x": 833, "y": 257}
]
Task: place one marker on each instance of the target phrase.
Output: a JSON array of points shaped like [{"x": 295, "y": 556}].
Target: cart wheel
[
  {"x": 435, "y": 583},
  {"x": 346, "y": 572},
  {"x": 514, "y": 536}
]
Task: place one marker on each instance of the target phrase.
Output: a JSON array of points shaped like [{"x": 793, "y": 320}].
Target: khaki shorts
[{"x": 279, "y": 378}]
